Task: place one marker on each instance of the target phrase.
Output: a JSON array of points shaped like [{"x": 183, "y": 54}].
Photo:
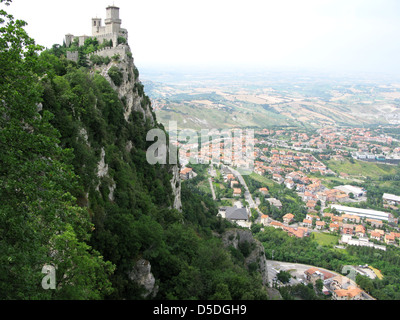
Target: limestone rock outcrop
[
  {"x": 141, "y": 274},
  {"x": 256, "y": 254}
]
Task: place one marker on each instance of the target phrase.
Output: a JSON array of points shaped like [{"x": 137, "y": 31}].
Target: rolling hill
[{"x": 269, "y": 100}]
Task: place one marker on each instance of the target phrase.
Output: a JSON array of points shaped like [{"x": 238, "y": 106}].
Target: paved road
[
  {"x": 296, "y": 269},
  {"x": 212, "y": 189},
  {"x": 247, "y": 195}
]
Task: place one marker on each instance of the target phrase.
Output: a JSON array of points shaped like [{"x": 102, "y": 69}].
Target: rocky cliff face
[
  {"x": 103, "y": 118},
  {"x": 256, "y": 254},
  {"x": 131, "y": 93},
  {"x": 176, "y": 187},
  {"x": 141, "y": 274},
  {"x": 128, "y": 91}
]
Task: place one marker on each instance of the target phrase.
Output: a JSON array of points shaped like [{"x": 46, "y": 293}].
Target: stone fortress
[
  {"x": 110, "y": 31},
  {"x": 128, "y": 91}
]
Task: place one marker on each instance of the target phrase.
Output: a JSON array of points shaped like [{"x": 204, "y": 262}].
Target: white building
[
  {"x": 275, "y": 202},
  {"x": 391, "y": 198},
  {"x": 364, "y": 213},
  {"x": 361, "y": 242},
  {"x": 356, "y": 191}
]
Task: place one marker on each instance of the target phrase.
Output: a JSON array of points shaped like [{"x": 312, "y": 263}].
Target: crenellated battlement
[{"x": 121, "y": 49}]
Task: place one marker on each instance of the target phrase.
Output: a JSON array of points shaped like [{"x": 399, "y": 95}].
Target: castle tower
[
  {"x": 69, "y": 38},
  {"x": 96, "y": 26},
  {"x": 113, "y": 22},
  {"x": 110, "y": 31}
]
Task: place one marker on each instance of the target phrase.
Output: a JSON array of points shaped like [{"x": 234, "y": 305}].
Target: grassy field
[
  {"x": 329, "y": 181},
  {"x": 264, "y": 180},
  {"x": 219, "y": 186},
  {"x": 325, "y": 239},
  {"x": 222, "y": 114},
  {"x": 204, "y": 186},
  {"x": 363, "y": 169}
]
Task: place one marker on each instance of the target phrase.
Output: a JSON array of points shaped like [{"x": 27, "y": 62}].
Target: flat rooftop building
[
  {"x": 391, "y": 198},
  {"x": 364, "y": 213},
  {"x": 356, "y": 191}
]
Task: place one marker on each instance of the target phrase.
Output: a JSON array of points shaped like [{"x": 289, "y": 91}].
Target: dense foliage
[
  {"x": 40, "y": 222},
  {"x": 139, "y": 221},
  {"x": 300, "y": 291},
  {"x": 58, "y": 119},
  {"x": 291, "y": 202}
]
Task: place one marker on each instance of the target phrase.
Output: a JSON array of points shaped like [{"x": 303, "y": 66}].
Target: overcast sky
[{"x": 344, "y": 35}]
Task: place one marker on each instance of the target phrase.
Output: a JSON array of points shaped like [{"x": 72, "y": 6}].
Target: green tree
[
  {"x": 116, "y": 75},
  {"x": 319, "y": 285},
  {"x": 35, "y": 183},
  {"x": 283, "y": 276},
  {"x": 222, "y": 292},
  {"x": 121, "y": 40},
  {"x": 79, "y": 268}
]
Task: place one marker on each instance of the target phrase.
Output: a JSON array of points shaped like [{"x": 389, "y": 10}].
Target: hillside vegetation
[{"x": 78, "y": 194}]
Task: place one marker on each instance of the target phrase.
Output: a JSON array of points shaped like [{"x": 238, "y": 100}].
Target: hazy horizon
[{"x": 351, "y": 36}]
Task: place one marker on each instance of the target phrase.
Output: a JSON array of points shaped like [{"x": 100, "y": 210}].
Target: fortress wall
[
  {"x": 109, "y": 52},
  {"x": 72, "y": 55},
  {"x": 122, "y": 50}
]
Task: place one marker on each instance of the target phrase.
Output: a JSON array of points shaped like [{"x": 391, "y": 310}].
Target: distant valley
[{"x": 265, "y": 100}]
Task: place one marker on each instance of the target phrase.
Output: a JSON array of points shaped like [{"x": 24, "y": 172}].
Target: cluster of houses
[
  {"x": 364, "y": 139},
  {"x": 291, "y": 168},
  {"x": 245, "y": 150},
  {"x": 316, "y": 191},
  {"x": 355, "y": 229},
  {"x": 297, "y": 231},
  {"x": 232, "y": 149},
  {"x": 334, "y": 142},
  {"x": 356, "y": 226},
  {"x": 232, "y": 182},
  {"x": 341, "y": 288},
  {"x": 338, "y": 139},
  {"x": 288, "y": 167}
]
